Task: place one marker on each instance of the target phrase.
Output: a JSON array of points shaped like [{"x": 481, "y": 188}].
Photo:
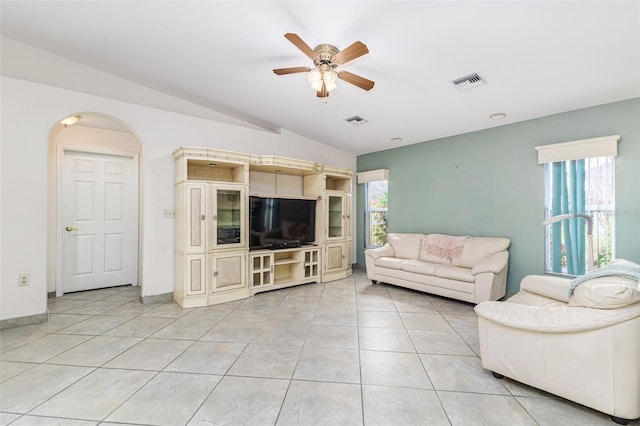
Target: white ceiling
[{"x": 538, "y": 58}]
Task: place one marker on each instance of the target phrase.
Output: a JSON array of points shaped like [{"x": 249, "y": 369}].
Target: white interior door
[{"x": 101, "y": 221}]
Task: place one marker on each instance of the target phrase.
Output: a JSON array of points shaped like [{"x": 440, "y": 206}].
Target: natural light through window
[
  {"x": 576, "y": 192},
  {"x": 377, "y": 196},
  {"x": 579, "y": 187},
  {"x": 376, "y": 206}
]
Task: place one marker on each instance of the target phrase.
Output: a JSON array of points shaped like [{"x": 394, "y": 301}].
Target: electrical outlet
[
  {"x": 168, "y": 214},
  {"x": 23, "y": 279}
]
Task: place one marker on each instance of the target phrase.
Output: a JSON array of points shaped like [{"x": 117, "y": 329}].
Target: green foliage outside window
[
  {"x": 379, "y": 230},
  {"x": 605, "y": 251},
  {"x": 377, "y": 205}
]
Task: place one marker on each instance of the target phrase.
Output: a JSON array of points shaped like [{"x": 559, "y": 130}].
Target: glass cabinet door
[
  {"x": 335, "y": 212},
  {"x": 227, "y": 222}
]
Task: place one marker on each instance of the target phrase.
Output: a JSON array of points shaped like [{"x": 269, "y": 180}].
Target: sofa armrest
[
  {"x": 371, "y": 255},
  {"x": 384, "y": 251},
  {"x": 494, "y": 263},
  {"x": 553, "y": 319}
]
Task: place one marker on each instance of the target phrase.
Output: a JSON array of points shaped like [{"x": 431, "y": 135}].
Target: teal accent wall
[{"x": 489, "y": 183}]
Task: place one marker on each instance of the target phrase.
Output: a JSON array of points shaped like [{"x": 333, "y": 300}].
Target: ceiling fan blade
[
  {"x": 350, "y": 53},
  {"x": 292, "y": 70},
  {"x": 300, "y": 44},
  {"x": 356, "y": 80}
]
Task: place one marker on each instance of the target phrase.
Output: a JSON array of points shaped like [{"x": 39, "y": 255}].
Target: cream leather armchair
[{"x": 585, "y": 348}]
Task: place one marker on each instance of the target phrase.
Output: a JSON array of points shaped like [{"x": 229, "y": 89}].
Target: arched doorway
[{"x": 94, "y": 203}]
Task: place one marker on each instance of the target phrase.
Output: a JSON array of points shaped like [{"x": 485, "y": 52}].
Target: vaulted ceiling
[{"x": 537, "y": 58}]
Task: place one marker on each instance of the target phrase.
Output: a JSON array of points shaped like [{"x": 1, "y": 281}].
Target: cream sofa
[
  {"x": 585, "y": 348},
  {"x": 476, "y": 274}
]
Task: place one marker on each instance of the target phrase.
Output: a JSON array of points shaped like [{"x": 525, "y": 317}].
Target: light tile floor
[{"x": 340, "y": 353}]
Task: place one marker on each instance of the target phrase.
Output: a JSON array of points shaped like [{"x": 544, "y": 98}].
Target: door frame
[{"x": 61, "y": 150}]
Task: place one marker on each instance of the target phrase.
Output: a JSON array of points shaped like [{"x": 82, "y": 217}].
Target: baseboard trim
[
  {"x": 29, "y": 319},
  {"x": 156, "y": 298}
]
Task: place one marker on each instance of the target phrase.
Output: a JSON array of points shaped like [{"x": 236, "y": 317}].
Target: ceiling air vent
[
  {"x": 468, "y": 82},
  {"x": 356, "y": 120}
]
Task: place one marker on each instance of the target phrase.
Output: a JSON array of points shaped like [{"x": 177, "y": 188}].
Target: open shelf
[
  {"x": 279, "y": 262},
  {"x": 334, "y": 183},
  {"x": 286, "y": 273},
  {"x": 215, "y": 171},
  {"x": 272, "y": 269},
  {"x": 286, "y": 282}
]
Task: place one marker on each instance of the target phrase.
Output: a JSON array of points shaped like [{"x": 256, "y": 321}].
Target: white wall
[
  {"x": 26, "y": 63},
  {"x": 28, "y": 113}
]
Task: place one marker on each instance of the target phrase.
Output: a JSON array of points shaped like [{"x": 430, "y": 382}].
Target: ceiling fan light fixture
[
  {"x": 315, "y": 80},
  {"x": 321, "y": 76},
  {"x": 326, "y": 58},
  {"x": 330, "y": 78}
]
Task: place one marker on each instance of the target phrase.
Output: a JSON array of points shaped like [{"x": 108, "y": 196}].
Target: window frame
[
  {"x": 598, "y": 154},
  {"x": 368, "y": 211}
]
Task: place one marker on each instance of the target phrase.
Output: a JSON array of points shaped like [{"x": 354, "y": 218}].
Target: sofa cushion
[
  {"x": 406, "y": 246},
  {"x": 478, "y": 248},
  {"x": 389, "y": 262},
  {"x": 556, "y": 288},
  {"x": 455, "y": 273},
  {"x": 431, "y": 258},
  {"x": 434, "y": 259},
  {"x": 523, "y": 297},
  {"x": 606, "y": 293},
  {"x": 419, "y": 267}
]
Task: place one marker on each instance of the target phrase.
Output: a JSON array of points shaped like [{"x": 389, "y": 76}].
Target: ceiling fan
[{"x": 327, "y": 59}]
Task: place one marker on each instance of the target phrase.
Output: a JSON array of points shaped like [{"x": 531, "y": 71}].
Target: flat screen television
[{"x": 274, "y": 221}]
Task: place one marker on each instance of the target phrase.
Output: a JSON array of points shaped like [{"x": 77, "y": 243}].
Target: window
[
  {"x": 579, "y": 187},
  {"x": 377, "y": 211},
  {"x": 579, "y": 198},
  {"x": 376, "y": 194}
]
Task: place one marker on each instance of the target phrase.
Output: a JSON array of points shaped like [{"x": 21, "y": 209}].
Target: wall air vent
[
  {"x": 356, "y": 120},
  {"x": 468, "y": 82}
]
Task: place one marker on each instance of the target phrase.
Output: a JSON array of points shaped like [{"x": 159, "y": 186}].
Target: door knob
[{"x": 70, "y": 228}]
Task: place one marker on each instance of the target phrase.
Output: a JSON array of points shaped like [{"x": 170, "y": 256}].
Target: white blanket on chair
[{"x": 616, "y": 268}]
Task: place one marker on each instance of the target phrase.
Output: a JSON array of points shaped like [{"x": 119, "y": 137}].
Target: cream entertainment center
[{"x": 250, "y": 223}]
